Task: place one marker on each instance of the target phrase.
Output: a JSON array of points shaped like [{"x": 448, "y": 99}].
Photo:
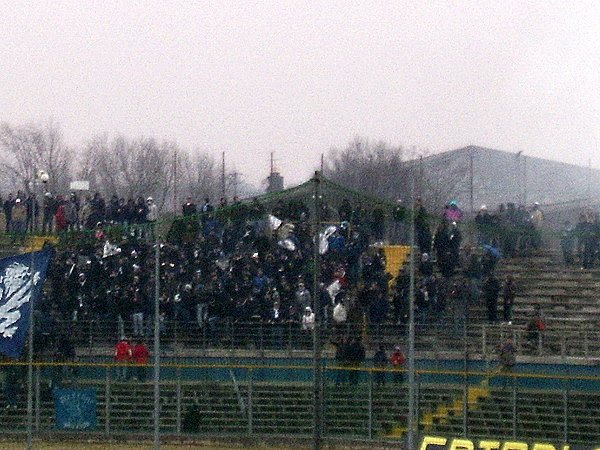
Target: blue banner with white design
[
  {"x": 75, "y": 409},
  {"x": 21, "y": 279}
]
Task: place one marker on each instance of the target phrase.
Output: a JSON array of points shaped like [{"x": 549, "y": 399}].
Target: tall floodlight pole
[
  {"x": 42, "y": 176},
  {"x": 411, "y": 328},
  {"x": 157, "y": 343},
  {"x": 471, "y": 180},
  {"x": 175, "y": 203},
  {"x": 524, "y": 180},
  {"x": 316, "y": 334},
  {"x": 223, "y": 175}
]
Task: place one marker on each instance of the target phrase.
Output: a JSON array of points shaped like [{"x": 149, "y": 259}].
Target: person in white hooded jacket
[{"x": 308, "y": 319}]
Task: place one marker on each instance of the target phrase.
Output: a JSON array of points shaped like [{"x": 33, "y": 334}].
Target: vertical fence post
[
  {"x": 514, "y": 406},
  {"x": 178, "y": 401},
  {"x": 37, "y": 398},
  {"x": 370, "y": 418},
  {"x": 566, "y": 411},
  {"x": 484, "y": 340},
  {"x": 417, "y": 399},
  {"x": 250, "y": 404},
  {"x": 232, "y": 335},
  {"x": 465, "y": 410},
  {"x": 107, "y": 401}
]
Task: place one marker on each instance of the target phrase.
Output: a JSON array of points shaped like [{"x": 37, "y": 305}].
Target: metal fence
[
  {"x": 478, "y": 340},
  {"x": 358, "y": 403}
]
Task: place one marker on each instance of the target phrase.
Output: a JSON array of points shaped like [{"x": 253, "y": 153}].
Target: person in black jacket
[
  {"x": 8, "y": 206},
  {"x": 491, "y": 289},
  {"x": 355, "y": 355},
  {"x": 379, "y": 362}
]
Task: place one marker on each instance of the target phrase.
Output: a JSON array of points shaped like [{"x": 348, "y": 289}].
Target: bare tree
[
  {"x": 129, "y": 168},
  {"x": 376, "y": 169},
  {"x": 25, "y": 149},
  {"x": 199, "y": 176}
]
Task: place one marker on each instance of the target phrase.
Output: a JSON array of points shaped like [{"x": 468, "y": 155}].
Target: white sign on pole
[{"x": 79, "y": 185}]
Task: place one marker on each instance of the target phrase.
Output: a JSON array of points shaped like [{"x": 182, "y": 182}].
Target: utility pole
[
  {"x": 411, "y": 437},
  {"x": 471, "y": 179},
  {"x": 223, "y": 175},
  {"x": 524, "y": 180},
  {"x": 421, "y": 175},
  {"x": 156, "y": 443},
  {"x": 589, "y": 182},
  {"x": 175, "y": 202},
  {"x": 316, "y": 334},
  {"x": 235, "y": 183}
]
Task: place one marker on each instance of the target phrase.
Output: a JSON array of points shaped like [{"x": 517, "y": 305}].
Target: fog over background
[{"x": 297, "y": 78}]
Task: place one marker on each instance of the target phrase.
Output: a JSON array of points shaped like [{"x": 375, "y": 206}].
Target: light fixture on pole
[{"x": 42, "y": 176}]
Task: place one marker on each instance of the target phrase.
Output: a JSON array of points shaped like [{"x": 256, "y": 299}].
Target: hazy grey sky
[{"x": 297, "y": 77}]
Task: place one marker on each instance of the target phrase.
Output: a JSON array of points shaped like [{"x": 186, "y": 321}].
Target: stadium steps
[
  {"x": 542, "y": 419},
  {"x": 346, "y": 410}
]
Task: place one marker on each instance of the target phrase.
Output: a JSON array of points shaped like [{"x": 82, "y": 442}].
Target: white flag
[
  {"x": 110, "y": 250},
  {"x": 324, "y": 239},
  {"x": 273, "y": 222}
]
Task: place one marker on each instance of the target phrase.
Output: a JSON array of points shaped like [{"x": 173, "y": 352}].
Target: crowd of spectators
[
  {"x": 24, "y": 212},
  {"x": 581, "y": 243},
  {"x": 512, "y": 229},
  {"x": 250, "y": 262},
  {"x": 232, "y": 263}
]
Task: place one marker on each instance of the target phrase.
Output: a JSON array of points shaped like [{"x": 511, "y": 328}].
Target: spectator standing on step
[
  {"x": 308, "y": 319},
  {"x": 508, "y": 298},
  {"x": 508, "y": 360},
  {"x": 19, "y": 216},
  {"x": 398, "y": 360},
  {"x": 189, "y": 207},
  {"x": 139, "y": 356},
  {"x": 535, "y": 329},
  {"x": 567, "y": 243},
  {"x": 452, "y": 212},
  {"x": 491, "y": 289},
  {"x": 355, "y": 356},
  {"x": 122, "y": 356},
  {"x": 422, "y": 230},
  {"x": 537, "y": 221},
  {"x": 8, "y": 207},
  {"x": 379, "y": 362},
  {"x": 303, "y": 297},
  {"x": 50, "y": 206}
]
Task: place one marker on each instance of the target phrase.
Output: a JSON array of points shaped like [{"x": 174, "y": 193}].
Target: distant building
[
  {"x": 474, "y": 176},
  {"x": 274, "y": 182}
]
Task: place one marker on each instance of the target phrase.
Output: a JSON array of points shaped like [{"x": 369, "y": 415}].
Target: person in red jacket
[
  {"x": 140, "y": 355},
  {"x": 122, "y": 357},
  {"x": 397, "y": 360},
  {"x": 60, "y": 217}
]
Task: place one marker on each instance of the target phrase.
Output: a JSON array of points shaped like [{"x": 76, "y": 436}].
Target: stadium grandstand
[{"x": 314, "y": 308}]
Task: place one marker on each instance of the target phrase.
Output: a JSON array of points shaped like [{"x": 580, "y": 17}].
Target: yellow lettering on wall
[
  {"x": 461, "y": 444},
  {"x": 489, "y": 445},
  {"x": 543, "y": 447},
  {"x": 515, "y": 446},
  {"x": 428, "y": 440}
]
